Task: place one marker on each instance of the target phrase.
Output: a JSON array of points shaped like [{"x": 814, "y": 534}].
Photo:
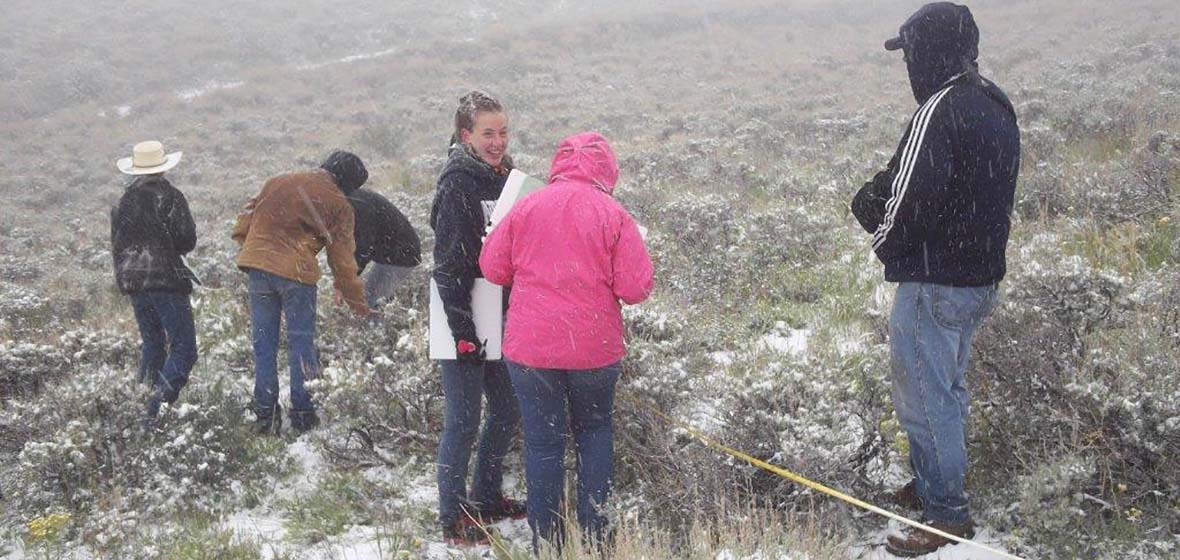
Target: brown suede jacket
[{"x": 284, "y": 228}]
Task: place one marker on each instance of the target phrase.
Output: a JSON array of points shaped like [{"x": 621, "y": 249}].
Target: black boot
[
  {"x": 303, "y": 421},
  {"x": 268, "y": 421}
]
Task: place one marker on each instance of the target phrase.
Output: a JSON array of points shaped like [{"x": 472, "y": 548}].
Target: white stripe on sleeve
[{"x": 901, "y": 182}]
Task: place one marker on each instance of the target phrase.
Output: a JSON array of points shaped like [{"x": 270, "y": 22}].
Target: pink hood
[
  {"x": 588, "y": 159},
  {"x": 572, "y": 256}
]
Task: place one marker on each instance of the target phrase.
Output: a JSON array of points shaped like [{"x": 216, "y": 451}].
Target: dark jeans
[
  {"x": 930, "y": 334},
  {"x": 169, "y": 344},
  {"x": 464, "y": 387},
  {"x": 271, "y": 299},
  {"x": 553, "y": 404}
]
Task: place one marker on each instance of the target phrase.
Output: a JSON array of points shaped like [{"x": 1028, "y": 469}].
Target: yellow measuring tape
[{"x": 710, "y": 442}]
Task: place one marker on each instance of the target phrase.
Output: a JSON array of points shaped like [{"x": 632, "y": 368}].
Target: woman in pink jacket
[{"x": 572, "y": 256}]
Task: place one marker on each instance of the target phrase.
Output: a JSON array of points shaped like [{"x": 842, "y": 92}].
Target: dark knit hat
[{"x": 348, "y": 169}]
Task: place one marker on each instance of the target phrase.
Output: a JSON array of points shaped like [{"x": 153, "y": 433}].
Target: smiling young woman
[
  {"x": 477, "y": 167},
  {"x": 482, "y": 126}
]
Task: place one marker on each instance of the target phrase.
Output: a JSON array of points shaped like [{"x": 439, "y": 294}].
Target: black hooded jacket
[
  {"x": 940, "y": 212},
  {"x": 382, "y": 233},
  {"x": 151, "y": 228},
  {"x": 463, "y": 203}
]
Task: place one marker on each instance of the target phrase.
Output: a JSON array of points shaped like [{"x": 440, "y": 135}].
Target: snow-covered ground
[
  {"x": 875, "y": 549},
  {"x": 265, "y": 523}
]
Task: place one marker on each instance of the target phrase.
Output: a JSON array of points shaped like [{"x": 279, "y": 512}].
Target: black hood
[
  {"x": 348, "y": 170},
  {"x": 931, "y": 71},
  {"x": 940, "y": 41}
]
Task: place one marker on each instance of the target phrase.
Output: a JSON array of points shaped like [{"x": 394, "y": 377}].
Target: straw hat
[{"x": 148, "y": 158}]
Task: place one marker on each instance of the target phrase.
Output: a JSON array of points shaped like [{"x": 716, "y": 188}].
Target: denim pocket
[{"x": 956, "y": 308}]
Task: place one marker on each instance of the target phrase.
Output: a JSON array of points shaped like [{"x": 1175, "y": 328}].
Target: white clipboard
[
  {"x": 517, "y": 186},
  {"x": 487, "y": 307}
]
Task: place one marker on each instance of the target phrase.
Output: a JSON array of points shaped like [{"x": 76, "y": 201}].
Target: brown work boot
[
  {"x": 916, "y": 542},
  {"x": 464, "y": 533},
  {"x": 907, "y": 496}
]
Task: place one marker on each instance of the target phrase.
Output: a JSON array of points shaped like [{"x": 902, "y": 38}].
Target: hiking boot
[
  {"x": 463, "y": 533},
  {"x": 304, "y": 421},
  {"x": 268, "y": 421},
  {"x": 503, "y": 509},
  {"x": 916, "y": 542},
  {"x": 907, "y": 496}
]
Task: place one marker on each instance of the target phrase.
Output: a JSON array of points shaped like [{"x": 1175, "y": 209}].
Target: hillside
[{"x": 743, "y": 128}]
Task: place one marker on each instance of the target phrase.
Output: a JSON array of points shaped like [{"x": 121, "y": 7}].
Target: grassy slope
[{"x": 770, "y": 106}]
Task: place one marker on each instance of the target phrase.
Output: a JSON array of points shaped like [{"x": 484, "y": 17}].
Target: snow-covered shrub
[
  {"x": 661, "y": 467},
  {"x": 1063, "y": 374},
  {"x": 24, "y": 366},
  {"x": 82, "y": 449},
  {"x": 22, "y": 309},
  {"x": 116, "y": 349},
  {"x": 700, "y": 246},
  {"x": 820, "y": 418},
  {"x": 14, "y": 268},
  {"x": 1051, "y": 497},
  {"x": 223, "y": 324},
  {"x": 379, "y": 382}
]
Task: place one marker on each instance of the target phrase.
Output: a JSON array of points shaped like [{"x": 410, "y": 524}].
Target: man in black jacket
[
  {"x": 939, "y": 215},
  {"x": 384, "y": 237},
  {"x": 151, "y": 230}
]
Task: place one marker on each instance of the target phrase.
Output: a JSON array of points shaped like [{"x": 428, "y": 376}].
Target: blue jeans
[
  {"x": 930, "y": 334},
  {"x": 169, "y": 344},
  {"x": 272, "y": 298},
  {"x": 554, "y": 403},
  {"x": 464, "y": 388}
]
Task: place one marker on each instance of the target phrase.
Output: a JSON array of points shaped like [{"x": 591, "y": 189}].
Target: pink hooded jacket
[{"x": 571, "y": 254}]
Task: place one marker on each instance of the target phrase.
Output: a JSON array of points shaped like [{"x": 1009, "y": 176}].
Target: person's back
[
  {"x": 571, "y": 254},
  {"x": 281, "y": 232},
  {"x": 383, "y": 234},
  {"x": 575, "y": 253},
  {"x": 941, "y": 212},
  {"x": 966, "y": 243},
  {"x": 151, "y": 228},
  {"x": 294, "y": 217}
]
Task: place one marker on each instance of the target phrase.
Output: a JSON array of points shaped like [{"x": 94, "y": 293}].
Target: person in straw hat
[{"x": 151, "y": 230}]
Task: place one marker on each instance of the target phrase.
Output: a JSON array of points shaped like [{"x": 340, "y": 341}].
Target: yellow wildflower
[{"x": 47, "y": 528}]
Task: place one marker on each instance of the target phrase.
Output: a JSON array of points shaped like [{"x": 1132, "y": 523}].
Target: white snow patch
[
  {"x": 360, "y": 543},
  {"x": 849, "y": 343},
  {"x": 348, "y": 59},
  {"x": 311, "y": 467},
  {"x": 785, "y": 340},
  {"x": 123, "y": 110},
  {"x": 722, "y": 358},
  {"x": 514, "y": 532},
  {"x": 257, "y": 525},
  {"x": 187, "y": 95}
]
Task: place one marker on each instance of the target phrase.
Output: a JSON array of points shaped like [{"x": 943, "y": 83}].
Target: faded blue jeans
[
  {"x": 169, "y": 344},
  {"x": 930, "y": 334},
  {"x": 464, "y": 387},
  {"x": 554, "y": 403},
  {"x": 273, "y": 298}
]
